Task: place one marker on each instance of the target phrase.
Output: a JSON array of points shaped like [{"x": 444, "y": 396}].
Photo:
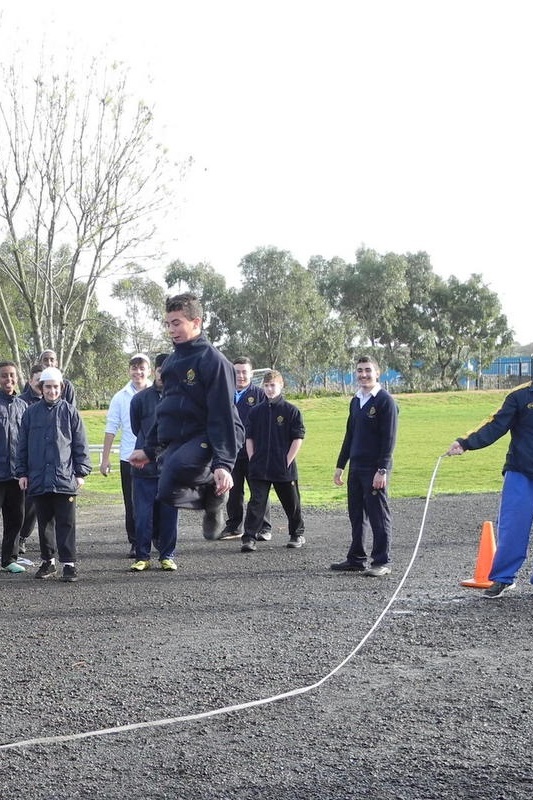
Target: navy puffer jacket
[{"x": 52, "y": 450}]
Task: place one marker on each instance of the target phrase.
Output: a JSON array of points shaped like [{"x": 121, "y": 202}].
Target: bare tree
[{"x": 80, "y": 184}]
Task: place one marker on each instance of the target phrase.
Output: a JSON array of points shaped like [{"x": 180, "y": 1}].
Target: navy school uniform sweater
[
  {"x": 370, "y": 433},
  {"x": 198, "y": 400},
  {"x": 516, "y": 416},
  {"x": 249, "y": 399},
  {"x": 143, "y": 406},
  {"x": 273, "y": 426}
]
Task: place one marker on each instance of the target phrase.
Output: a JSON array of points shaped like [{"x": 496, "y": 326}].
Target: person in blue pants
[
  {"x": 515, "y": 515},
  {"x": 155, "y": 522}
]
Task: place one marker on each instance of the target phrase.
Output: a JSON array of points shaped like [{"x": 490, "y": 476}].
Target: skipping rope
[{"x": 157, "y": 723}]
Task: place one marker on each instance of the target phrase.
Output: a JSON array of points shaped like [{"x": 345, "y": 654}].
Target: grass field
[{"x": 428, "y": 423}]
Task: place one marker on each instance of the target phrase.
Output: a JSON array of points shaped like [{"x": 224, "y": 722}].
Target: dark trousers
[
  {"x": 153, "y": 520},
  {"x": 184, "y": 466},
  {"x": 61, "y": 509},
  {"x": 30, "y": 517},
  {"x": 289, "y": 497},
  {"x": 12, "y": 505},
  {"x": 372, "y": 505},
  {"x": 235, "y": 504},
  {"x": 127, "y": 495}
]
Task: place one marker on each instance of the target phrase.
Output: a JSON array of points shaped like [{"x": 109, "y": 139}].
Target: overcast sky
[{"x": 317, "y": 127}]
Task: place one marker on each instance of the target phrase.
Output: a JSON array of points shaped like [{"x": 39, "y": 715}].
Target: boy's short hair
[
  {"x": 8, "y": 364},
  {"x": 160, "y": 359},
  {"x": 188, "y": 303},
  {"x": 35, "y": 369},
  {"x": 242, "y": 360},
  {"x": 367, "y": 360},
  {"x": 273, "y": 376}
]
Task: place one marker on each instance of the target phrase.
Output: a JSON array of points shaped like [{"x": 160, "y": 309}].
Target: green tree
[
  {"x": 280, "y": 310},
  {"x": 409, "y": 346},
  {"x": 466, "y": 322},
  {"x": 142, "y": 303},
  {"x": 331, "y": 277},
  {"x": 372, "y": 290}
]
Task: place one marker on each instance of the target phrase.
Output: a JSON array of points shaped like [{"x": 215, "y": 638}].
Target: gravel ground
[{"x": 437, "y": 703}]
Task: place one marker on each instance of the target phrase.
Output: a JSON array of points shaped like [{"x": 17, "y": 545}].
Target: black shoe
[
  {"x": 296, "y": 541},
  {"x": 248, "y": 545},
  {"x": 264, "y": 536},
  {"x": 213, "y": 521},
  {"x": 132, "y": 553},
  {"x": 46, "y": 570},
  {"x": 70, "y": 573},
  {"x": 22, "y": 547},
  {"x": 497, "y": 589},
  {"x": 345, "y": 566},
  {"x": 228, "y": 533}
]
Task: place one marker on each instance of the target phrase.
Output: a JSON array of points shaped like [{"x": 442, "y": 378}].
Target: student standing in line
[
  {"x": 12, "y": 409},
  {"x": 52, "y": 463},
  {"x": 274, "y": 435},
  {"x": 155, "y": 522},
  {"x": 31, "y": 394},
  {"x": 247, "y": 396},
  {"x": 368, "y": 444},
  {"x": 118, "y": 418}
]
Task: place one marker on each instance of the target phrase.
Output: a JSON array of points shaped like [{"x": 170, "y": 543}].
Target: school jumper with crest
[
  {"x": 368, "y": 445},
  {"x": 273, "y": 425},
  {"x": 197, "y": 428}
]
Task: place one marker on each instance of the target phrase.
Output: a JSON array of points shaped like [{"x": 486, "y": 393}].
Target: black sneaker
[
  {"x": 497, "y": 589},
  {"x": 213, "y": 521},
  {"x": 228, "y": 533},
  {"x": 46, "y": 570},
  {"x": 248, "y": 544},
  {"x": 70, "y": 573},
  {"x": 346, "y": 566},
  {"x": 296, "y": 541}
]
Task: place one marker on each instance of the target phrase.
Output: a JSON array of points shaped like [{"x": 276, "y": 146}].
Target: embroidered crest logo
[
  {"x": 372, "y": 412},
  {"x": 280, "y": 420},
  {"x": 250, "y": 401},
  {"x": 191, "y": 377},
  {"x": 204, "y": 445}
]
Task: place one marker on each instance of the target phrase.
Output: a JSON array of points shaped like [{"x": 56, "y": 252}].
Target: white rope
[{"x": 252, "y": 703}]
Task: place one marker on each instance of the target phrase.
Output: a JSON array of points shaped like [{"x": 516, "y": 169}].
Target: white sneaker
[{"x": 378, "y": 571}]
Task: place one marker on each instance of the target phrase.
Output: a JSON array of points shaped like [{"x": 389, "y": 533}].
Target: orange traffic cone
[{"x": 485, "y": 557}]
